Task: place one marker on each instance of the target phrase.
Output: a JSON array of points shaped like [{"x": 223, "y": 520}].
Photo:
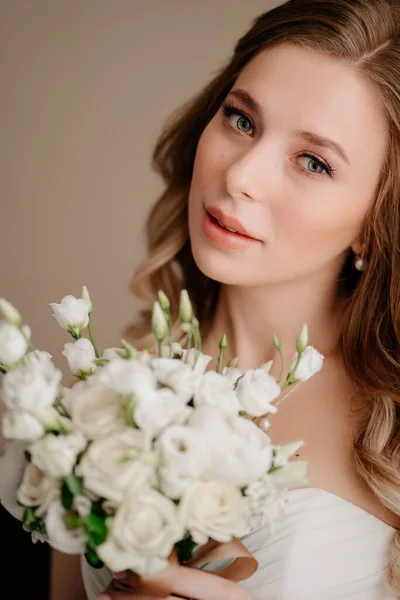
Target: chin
[{"x": 217, "y": 267}]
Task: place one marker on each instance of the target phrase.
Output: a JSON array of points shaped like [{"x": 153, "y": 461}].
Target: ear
[{"x": 357, "y": 246}]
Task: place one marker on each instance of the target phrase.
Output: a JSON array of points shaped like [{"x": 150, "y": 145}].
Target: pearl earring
[{"x": 360, "y": 261}]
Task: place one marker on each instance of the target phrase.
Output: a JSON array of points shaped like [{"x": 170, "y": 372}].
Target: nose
[{"x": 253, "y": 175}]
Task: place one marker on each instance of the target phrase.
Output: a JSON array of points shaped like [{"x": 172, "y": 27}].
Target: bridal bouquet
[{"x": 146, "y": 454}]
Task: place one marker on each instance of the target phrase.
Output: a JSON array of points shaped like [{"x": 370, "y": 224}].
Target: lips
[{"x": 228, "y": 222}]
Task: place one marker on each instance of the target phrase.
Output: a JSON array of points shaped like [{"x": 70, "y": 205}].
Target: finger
[{"x": 179, "y": 581}]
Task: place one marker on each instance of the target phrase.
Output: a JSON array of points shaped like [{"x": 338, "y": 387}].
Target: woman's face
[{"x": 300, "y": 199}]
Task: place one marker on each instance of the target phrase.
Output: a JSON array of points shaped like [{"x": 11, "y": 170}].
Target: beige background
[{"x": 85, "y": 88}]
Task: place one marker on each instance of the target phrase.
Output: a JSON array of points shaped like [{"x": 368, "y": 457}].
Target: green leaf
[
  {"x": 92, "y": 558},
  {"x": 67, "y": 498},
  {"x": 96, "y": 529},
  {"x": 27, "y": 455},
  {"x": 74, "y": 484},
  {"x": 29, "y": 515},
  {"x": 184, "y": 548},
  {"x": 72, "y": 520}
]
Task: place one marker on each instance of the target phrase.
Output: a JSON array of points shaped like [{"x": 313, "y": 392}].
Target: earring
[{"x": 360, "y": 261}]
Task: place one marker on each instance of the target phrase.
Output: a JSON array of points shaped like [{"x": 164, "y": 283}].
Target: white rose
[
  {"x": 196, "y": 359},
  {"x": 283, "y": 452},
  {"x": 256, "y": 390},
  {"x": 80, "y": 356},
  {"x": 142, "y": 533},
  {"x": 185, "y": 456},
  {"x": 127, "y": 377},
  {"x": 37, "y": 489},
  {"x": 215, "y": 389},
  {"x": 95, "y": 410},
  {"x": 20, "y": 425},
  {"x": 68, "y": 541},
  {"x": 177, "y": 375},
  {"x": 12, "y": 467},
  {"x": 213, "y": 510},
  {"x": 311, "y": 362},
  {"x": 56, "y": 455},
  {"x": 241, "y": 452},
  {"x": 72, "y": 313},
  {"x": 32, "y": 386},
  {"x": 13, "y": 344},
  {"x": 112, "y": 465},
  {"x": 155, "y": 412},
  {"x": 232, "y": 375}
]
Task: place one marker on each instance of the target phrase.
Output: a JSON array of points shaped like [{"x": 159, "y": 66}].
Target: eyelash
[{"x": 230, "y": 109}]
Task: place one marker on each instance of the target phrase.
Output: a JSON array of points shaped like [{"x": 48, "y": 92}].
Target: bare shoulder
[{"x": 324, "y": 412}]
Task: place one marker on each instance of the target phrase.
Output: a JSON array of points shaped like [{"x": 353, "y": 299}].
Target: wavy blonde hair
[{"x": 365, "y": 34}]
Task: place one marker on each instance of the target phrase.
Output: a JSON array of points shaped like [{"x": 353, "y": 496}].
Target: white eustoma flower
[
  {"x": 127, "y": 377},
  {"x": 177, "y": 375},
  {"x": 196, "y": 359},
  {"x": 215, "y": 389},
  {"x": 311, "y": 362},
  {"x": 185, "y": 456},
  {"x": 32, "y": 386},
  {"x": 13, "y": 344},
  {"x": 232, "y": 375},
  {"x": 37, "y": 489},
  {"x": 158, "y": 410},
  {"x": 213, "y": 510},
  {"x": 256, "y": 390},
  {"x": 21, "y": 425},
  {"x": 95, "y": 409},
  {"x": 56, "y": 455},
  {"x": 68, "y": 541},
  {"x": 72, "y": 314},
  {"x": 37, "y": 356},
  {"x": 111, "y": 353},
  {"x": 241, "y": 452},
  {"x": 112, "y": 465},
  {"x": 142, "y": 533},
  {"x": 80, "y": 356}
]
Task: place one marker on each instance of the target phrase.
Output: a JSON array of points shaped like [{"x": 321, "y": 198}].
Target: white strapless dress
[{"x": 325, "y": 549}]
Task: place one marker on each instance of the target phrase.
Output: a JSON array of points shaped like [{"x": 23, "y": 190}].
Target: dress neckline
[{"x": 337, "y": 497}]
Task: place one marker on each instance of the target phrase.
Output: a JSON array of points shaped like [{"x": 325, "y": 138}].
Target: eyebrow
[{"x": 308, "y": 136}]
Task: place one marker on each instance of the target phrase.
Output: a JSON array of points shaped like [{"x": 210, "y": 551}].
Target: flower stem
[{"x": 92, "y": 338}]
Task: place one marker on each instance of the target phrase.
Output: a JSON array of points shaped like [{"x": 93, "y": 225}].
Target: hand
[{"x": 182, "y": 582}]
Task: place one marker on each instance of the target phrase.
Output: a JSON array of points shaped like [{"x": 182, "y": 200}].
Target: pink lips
[
  {"x": 228, "y": 221},
  {"x": 221, "y": 236}
]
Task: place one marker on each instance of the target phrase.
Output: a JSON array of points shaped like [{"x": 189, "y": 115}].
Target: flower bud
[
  {"x": 10, "y": 313},
  {"x": 185, "y": 307},
  {"x": 277, "y": 343},
  {"x": 302, "y": 340},
  {"x": 163, "y": 300},
  {"x": 223, "y": 342},
  {"x": 159, "y": 322},
  {"x": 85, "y": 296}
]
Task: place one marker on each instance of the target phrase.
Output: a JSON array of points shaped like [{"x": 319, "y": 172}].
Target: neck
[{"x": 251, "y": 315}]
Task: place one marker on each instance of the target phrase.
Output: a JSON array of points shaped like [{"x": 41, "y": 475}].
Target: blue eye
[{"x": 229, "y": 110}]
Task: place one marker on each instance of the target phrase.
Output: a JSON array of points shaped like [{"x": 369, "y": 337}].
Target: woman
[{"x": 282, "y": 207}]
